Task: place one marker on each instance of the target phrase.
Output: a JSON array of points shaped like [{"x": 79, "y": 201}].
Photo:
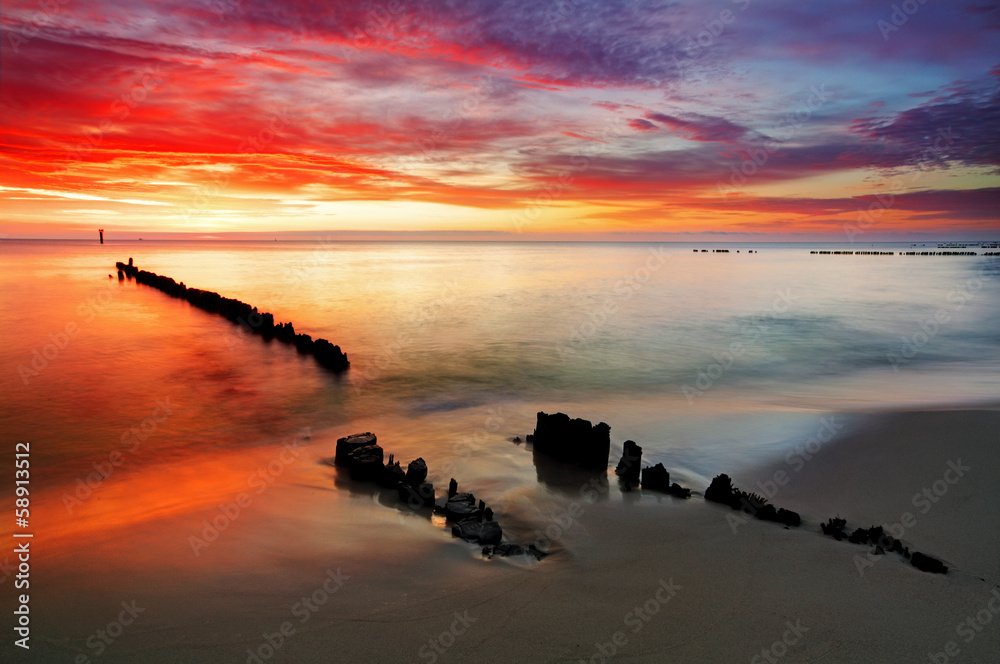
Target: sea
[{"x": 166, "y": 443}]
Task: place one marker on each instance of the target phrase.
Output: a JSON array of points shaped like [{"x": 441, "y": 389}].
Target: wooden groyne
[
  {"x": 949, "y": 251},
  {"x": 578, "y": 442},
  {"x": 902, "y": 253},
  {"x": 327, "y": 354},
  {"x": 470, "y": 520},
  {"x": 854, "y": 253}
]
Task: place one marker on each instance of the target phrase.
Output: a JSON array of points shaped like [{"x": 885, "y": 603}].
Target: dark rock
[
  {"x": 490, "y": 532},
  {"x": 458, "y": 512},
  {"x": 468, "y": 530},
  {"x": 770, "y": 513},
  {"x": 789, "y": 518},
  {"x": 392, "y": 474},
  {"x": 462, "y": 497},
  {"x": 504, "y": 550},
  {"x": 121, "y": 275},
  {"x": 751, "y": 503},
  {"x": 656, "y": 478},
  {"x": 925, "y": 563},
  {"x": 767, "y": 513},
  {"x": 416, "y": 472},
  {"x": 568, "y": 478},
  {"x": 350, "y": 443},
  {"x": 679, "y": 491},
  {"x": 304, "y": 344},
  {"x": 720, "y": 490},
  {"x": 472, "y": 520},
  {"x": 859, "y": 536},
  {"x": 285, "y": 332},
  {"x": 483, "y": 533},
  {"x": 573, "y": 441},
  {"x": 875, "y": 537},
  {"x": 629, "y": 465},
  {"x": 418, "y": 496},
  {"x": 329, "y": 355},
  {"x": 536, "y": 552},
  {"x": 834, "y": 527},
  {"x": 365, "y": 463}
]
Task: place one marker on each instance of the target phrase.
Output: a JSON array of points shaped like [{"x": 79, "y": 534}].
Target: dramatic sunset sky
[{"x": 739, "y": 119}]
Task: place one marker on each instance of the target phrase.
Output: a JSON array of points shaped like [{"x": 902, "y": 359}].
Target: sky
[{"x": 853, "y": 120}]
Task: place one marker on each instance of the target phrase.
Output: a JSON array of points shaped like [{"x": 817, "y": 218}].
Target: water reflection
[{"x": 567, "y": 479}]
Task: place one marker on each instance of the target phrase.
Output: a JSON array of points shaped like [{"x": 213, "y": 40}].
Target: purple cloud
[
  {"x": 960, "y": 125},
  {"x": 642, "y": 125},
  {"x": 697, "y": 127}
]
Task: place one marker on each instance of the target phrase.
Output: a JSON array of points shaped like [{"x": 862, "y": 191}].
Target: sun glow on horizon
[{"x": 439, "y": 120}]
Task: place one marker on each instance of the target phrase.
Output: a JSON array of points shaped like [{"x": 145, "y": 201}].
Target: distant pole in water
[{"x": 101, "y": 231}]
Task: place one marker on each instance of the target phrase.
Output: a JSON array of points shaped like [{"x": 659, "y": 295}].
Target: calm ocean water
[
  {"x": 173, "y": 458},
  {"x": 706, "y": 359},
  {"x": 657, "y": 340}
]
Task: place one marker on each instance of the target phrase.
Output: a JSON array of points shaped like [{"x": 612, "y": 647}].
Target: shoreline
[
  {"x": 734, "y": 592},
  {"x": 924, "y": 474}
]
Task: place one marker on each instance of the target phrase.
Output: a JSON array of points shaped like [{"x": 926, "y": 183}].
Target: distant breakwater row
[
  {"x": 903, "y": 253},
  {"x": 246, "y": 316},
  {"x": 831, "y": 252}
]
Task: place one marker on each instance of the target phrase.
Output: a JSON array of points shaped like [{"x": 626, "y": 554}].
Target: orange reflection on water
[{"x": 126, "y": 507}]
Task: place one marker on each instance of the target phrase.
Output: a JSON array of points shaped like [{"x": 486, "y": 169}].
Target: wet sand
[{"x": 635, "y": 577}]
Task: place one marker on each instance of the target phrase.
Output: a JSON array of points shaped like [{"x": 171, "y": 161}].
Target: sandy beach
[{"x": 635, "y": 577}]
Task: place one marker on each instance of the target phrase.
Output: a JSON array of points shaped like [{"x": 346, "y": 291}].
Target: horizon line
[
  {"x": 501, "y": 236},
  {"x": 316, "y": 238}
]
